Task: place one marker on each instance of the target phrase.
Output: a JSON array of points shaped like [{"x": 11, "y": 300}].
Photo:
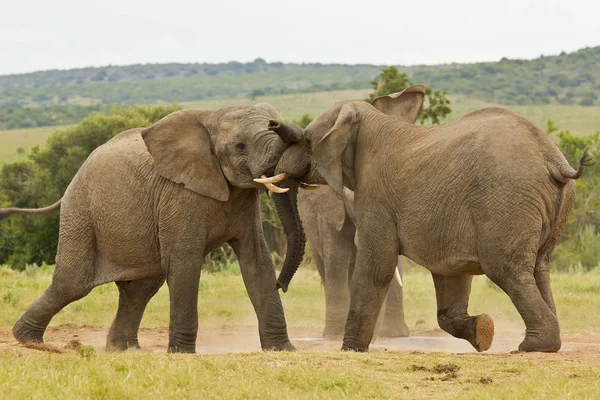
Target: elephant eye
[{"x": 240, "y": 147}]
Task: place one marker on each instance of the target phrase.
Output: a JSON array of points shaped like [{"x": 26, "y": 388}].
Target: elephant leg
[
  {"x": 452, "y": 294},
  {"x": 258, "y": 273},
  {"x": 374, "y": 269},
  {"x": 542, "y": 279},
  {"x": 394, "y": 324},
  {"x": 521, "y": 285},
  {"x": 183, "y": 280},
  {"x": 133, "y": 298},
  {"x": 62, "y": 291},
  {"x": 337, "y": 292}
]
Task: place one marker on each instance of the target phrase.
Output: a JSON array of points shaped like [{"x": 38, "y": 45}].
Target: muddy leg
[{"x": 452, "y": 294}]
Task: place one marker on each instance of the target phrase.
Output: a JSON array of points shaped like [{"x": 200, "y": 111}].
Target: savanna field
[
  {"x": 73, "y": 364},
  {"x": 229, "y": 364}
]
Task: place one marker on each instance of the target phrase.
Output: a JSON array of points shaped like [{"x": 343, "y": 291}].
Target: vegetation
[
  {"x": 566, "y": 79},
  {"x": 304, "y": 374},
  {"x": 436, "y": 107},
  {"x": 30, "y": 117}
]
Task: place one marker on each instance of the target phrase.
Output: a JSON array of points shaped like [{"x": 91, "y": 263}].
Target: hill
[{"x": 567, "y": 79}]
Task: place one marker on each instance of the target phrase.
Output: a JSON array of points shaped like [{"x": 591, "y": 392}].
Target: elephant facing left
[{"x": 149, "y": 204}]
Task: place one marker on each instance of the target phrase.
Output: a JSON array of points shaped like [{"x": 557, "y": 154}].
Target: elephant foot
[
  {"x": 481, "y": 332},
  {"x": 286, "y": 346},
  {"x": 397, "y": 330},
  {"x": 544, "y": 342},
  {"x": 26, "y": 332},
  {"x": 333, "y": 332},
  {"x": 116, "y": 345},
  {"x": 181, "y": 349}
]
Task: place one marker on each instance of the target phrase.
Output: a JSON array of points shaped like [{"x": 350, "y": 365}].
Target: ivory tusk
[
  {"x": 274, "y": 179},
  {"x": 309, "y": 186},
  {"x": 275, "y": 189}
]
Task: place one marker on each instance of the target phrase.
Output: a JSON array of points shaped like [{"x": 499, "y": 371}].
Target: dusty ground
[{"x": 581, "y": 347}]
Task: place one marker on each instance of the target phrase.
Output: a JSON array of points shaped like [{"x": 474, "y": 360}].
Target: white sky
[{"x": 51, "y": 34}]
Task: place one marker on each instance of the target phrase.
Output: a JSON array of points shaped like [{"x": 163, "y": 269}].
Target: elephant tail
[
  {"x": 7, "y": 212},
  {"x": 563, "y": 172}
]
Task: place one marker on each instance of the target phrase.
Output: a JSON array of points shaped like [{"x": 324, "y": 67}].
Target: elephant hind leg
[
  {"x": 32, "y": 325},
  {"x": 133, "y": 298},
  {"x": 394, "y": 324},
  {"x": 542, "y": 280},
  {"x": 452, "y": 294},
  {"x": 519, "y": 280}
]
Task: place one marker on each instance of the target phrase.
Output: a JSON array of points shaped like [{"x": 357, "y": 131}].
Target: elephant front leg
[
  {"x": 452, "y": 294},
  {"x": 258, "y": 273},
  {"x": 375, "y": 266},
  {"x": 394, "y": 324},
  {"x": 183, "y": 279}
]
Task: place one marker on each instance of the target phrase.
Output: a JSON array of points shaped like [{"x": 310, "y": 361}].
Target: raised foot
[
  {"x": 333, "y": 333},
  {"x": 25, "y": 332},
  {"x": 542, "y": 343},
  {"x": 483, "y": 332}
]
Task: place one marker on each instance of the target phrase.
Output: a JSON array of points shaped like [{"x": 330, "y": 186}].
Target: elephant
[
  {"x": 488, "y": 193},
  {"x": 329, "y": 223},
  {"x": 151, "y": 203}
]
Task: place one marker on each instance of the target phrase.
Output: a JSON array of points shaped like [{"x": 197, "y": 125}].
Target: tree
[{"x": 437, "y": 105}]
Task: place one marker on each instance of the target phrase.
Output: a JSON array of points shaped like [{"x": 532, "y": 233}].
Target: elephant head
[
  {"x": 213, "y": 152},
  {"x": 323, "y": 157}
]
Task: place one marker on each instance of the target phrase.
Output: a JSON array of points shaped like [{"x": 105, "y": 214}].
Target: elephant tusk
[
  {"x": 274, "y": 179},
  {"x": 309, "y": 186},
  {"x": 275, "y": 189}
]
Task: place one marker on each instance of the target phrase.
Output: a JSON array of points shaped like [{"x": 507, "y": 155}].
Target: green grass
[
  {"x": 303, "y": 374},
  {"x": 13, "y": 140},
  {"x": 223, "y": 302},
  {"x": 579, "y": 120}
]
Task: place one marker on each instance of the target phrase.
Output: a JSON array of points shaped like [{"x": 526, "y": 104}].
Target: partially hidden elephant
[
  {"x": 149, "y": 204},
  {"x": 329, "y": 223},
  {"x": 487, "y": 194}
]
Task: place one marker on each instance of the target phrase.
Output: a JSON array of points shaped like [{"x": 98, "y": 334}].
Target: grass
[
  {"x": 579, "y": 120},
  {"x": 223, "y": 303},
  {"x": 16, "y": 143}
]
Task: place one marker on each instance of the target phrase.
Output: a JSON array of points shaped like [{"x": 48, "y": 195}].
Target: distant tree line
[{"x": 572, "y": 78}]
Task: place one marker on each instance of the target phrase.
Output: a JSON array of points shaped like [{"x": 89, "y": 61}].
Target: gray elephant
[
  {"x": 486, "y": 194},
  {"x": 149, "y": 204},
  {"x": 329, "y": 222}
]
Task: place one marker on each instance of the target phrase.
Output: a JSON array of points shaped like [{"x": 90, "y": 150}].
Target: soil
[{"x": 580, "y": 347}]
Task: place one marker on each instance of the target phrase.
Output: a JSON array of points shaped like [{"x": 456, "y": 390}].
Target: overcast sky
[{"x": 50, "y": 34}]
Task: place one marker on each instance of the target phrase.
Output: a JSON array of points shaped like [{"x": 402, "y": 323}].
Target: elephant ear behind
[
  {"x": 405, "y": 105},
  {"x": 329, "y": 151},
  {"x": 182, "y": 151}
]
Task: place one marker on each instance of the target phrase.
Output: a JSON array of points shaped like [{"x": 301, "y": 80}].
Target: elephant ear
[
  {"x": 329, "y": 151},
  {"x": 349, "y": 204},
  {"x": 182, "y": 151},
  {"x": 405, "y": 105}
]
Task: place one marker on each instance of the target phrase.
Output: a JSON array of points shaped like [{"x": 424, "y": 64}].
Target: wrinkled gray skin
[
  {"x": 486, "y": 194},
  {"x": 330, "y": 229},
  {"x": 148, "y": 205},
  {"x": 329, "y": 222}
]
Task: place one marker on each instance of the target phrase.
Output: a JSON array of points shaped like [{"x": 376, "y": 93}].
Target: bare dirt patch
[{"x": 577, "y": 347}]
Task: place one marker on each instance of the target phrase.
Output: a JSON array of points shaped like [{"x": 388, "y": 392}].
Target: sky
[{"x": 63, "y": 34}]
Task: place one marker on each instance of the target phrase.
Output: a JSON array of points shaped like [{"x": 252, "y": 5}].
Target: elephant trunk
[
  {"x": 287, "y": 209},
  {"x": 289, "y": 133}
]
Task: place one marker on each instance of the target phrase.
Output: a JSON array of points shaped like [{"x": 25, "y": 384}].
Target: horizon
[{"x": 294, "y": 62}]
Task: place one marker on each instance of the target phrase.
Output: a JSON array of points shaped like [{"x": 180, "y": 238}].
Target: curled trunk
[{"x": 287, "y": 209}]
